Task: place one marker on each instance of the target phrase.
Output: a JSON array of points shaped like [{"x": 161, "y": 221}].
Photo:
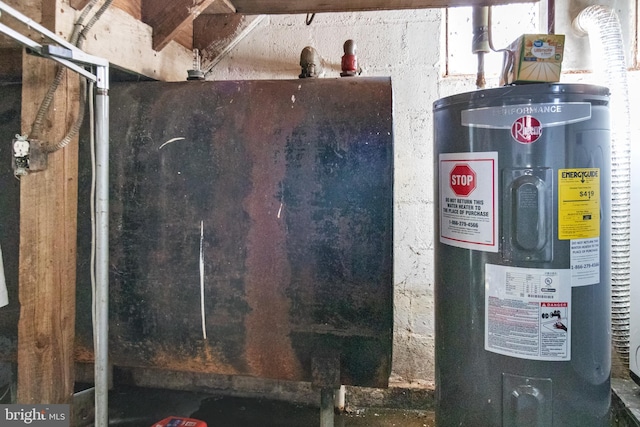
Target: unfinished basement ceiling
[
  {"x": 210, "y": 25},
  {"x": 155, "y": 39}
]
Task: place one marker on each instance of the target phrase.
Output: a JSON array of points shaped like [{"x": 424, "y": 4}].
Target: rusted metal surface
[
  {"x": 285, "y": 190},
  {"x": 10, "y": 96}
]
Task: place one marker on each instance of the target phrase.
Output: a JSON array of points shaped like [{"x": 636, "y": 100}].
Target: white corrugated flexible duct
[{"x": 605, "y": 37}]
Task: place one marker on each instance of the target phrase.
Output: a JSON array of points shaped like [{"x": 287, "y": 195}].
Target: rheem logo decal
[{"x": 526, "y": 129}]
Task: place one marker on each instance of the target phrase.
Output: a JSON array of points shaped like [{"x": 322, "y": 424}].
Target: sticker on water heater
[
  {"x": 585, "y": 261},
  {"x": 578, "y": 203},
  {"x": 527, "y": 312},
  {"x": 468, "y": 200}
]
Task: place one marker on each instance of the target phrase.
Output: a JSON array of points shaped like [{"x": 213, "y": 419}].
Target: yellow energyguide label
[{"x": 578, "y": 203}]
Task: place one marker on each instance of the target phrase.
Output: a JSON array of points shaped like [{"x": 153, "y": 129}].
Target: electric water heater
[{"x": 522, "y": 275}]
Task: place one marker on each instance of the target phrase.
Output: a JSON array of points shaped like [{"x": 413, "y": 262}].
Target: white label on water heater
[
  {"x": 468, "y": 200},
  {"x": 585, "y": 261},
  {"x": 527, "y": 312}
]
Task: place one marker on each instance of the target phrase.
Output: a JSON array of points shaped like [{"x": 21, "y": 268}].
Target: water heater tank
[{"x": 521, "y": 257}]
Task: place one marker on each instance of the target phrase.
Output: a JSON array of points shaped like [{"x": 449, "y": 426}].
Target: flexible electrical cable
[
  {"x": 61, "y": 71},
  {"x": 77, "y": 38}
]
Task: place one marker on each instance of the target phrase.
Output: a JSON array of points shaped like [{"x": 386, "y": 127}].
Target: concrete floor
[
  {"x": 133, "y": 407},
  {"x": 137, "y": 406},
  {"x": 625, "y": 403}
]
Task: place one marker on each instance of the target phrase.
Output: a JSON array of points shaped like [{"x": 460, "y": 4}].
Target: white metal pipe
[
  {"x": 326, "y": 407},
  {"x": 339, "y": 399},
  {"x": 102, "y": 257}
]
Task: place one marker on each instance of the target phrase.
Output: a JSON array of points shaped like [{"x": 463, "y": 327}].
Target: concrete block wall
[{"x": 409, "y": 46}]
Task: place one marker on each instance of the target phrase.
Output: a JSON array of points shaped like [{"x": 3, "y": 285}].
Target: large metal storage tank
[
  {"x": 521, "y": 257},
  {"x": 251, "y": 229}
]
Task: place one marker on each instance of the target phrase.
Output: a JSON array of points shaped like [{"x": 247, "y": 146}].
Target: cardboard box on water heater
[{"x": 533, "y": 58}]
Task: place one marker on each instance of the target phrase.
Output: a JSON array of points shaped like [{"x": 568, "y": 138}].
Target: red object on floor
[{"x": 180, "y": 422}]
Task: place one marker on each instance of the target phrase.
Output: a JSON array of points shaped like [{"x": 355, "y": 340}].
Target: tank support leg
[
  {"x": 326, "y": 407},
  {"x": 325, "y": 375}
]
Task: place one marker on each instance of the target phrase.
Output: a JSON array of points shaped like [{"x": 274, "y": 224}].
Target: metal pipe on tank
[
  {"x": 480, "y": 43},
  {"x": 605, "y": 36}
]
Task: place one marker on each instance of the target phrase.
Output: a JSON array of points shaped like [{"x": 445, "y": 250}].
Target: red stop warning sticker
[
  {"x": 526, "y": 129},
  {"x": 469, "y": 200},
  {"x": 462, "y": 179}
]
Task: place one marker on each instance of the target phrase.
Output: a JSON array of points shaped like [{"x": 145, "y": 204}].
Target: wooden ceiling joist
[
  {"x": 214, "y": 26},
  {"x": 169, "y": 17},
  {"x": 132, "y": 7},
  {"x": 216, "y": 34},
  {"x": 255, "y": 7},
  {"x": 78, "y": 4},
  {"x": 213, "y": 29},
  {"x": 220, "y": 6},
  {"x": 273, "y": 7}
]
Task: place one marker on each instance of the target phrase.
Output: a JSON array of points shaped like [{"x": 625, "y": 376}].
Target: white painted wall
[{"x": 409, "y": 46}]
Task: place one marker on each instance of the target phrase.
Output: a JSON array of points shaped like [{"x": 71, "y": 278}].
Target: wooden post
[{"x": 48, "y": 209}]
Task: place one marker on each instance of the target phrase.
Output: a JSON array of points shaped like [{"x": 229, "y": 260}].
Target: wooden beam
[
  {"x": 220, "y": 6},
  {"x": 132, "y": 7},
  {"x": 78, "y": 4},
  {"x": 126, "y": 43},
  {"x": 184, "y": 37},
  {"x": 48, "y": 210},
  {"x": 169, "y": 17},
  {"x": 255, "y": 7},
  {"x": 215, "y": 35},
  {"x": 30, "y": 8}
]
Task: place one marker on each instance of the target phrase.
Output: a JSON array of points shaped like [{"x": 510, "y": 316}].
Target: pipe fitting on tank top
[
  {"x": 196, "y": 72},
  {"x": 350, "y": 60},
  {"x": 310, "y": 63}
]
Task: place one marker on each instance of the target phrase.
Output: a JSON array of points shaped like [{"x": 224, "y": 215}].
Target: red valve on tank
[{"x": 349, "y": 59}]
